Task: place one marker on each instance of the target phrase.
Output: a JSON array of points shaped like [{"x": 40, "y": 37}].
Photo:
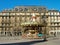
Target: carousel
[{"x": 33, "y": 29}]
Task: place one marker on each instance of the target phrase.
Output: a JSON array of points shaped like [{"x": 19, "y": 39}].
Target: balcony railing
[
  {"x": 6, "y": 22},
  {"x": 54, "y": 25},
  {"x": 56, "y": 21}
]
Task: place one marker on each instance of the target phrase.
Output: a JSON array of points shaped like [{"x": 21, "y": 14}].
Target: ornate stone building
[{"x": 11, "y": 19}]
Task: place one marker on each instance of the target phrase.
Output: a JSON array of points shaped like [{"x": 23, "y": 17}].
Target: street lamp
[{"x": 45, "y": 23}]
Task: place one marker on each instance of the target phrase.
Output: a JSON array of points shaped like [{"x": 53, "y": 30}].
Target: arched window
[
  {"x": 16, "y": 9},
  {"x": 34, "y": 9},
  {"x": 25, "y": 9}
]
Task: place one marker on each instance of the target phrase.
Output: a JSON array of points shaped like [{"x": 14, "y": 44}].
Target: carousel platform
[{"x": 32, "y": 36}]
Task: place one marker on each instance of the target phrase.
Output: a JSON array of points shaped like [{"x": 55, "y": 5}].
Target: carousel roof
[{"x": 32, "y": 24}]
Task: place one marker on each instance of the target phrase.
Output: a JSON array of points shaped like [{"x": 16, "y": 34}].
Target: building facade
[{"x": 11, "y": 19}]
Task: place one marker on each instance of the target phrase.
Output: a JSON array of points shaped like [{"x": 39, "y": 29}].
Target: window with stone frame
[
  {"x": 23, "y": 19},
  {"x": 28, "y": 18},
  {"x": 57, "y": 23},
  {"x": 52, "y": 28},
  {"x": 1, "y": 13},
  {"x": 55, "y": 13},
  {"x": 34, "y": 9},
  {"x": 52, "y": 13},
  {"x": 58, "y": 13},
  {"x": 38, "y": 19},
  {"x": 25, "y": 9},
  {"x": 17, "y": 13},
  {"x": 17, "y": 19},
  {"x": 22, "y": 13},
  {"x": 12, "y": 13},
  {"x": 16, "y": 9},
  {"x": 20, "y": 9}
]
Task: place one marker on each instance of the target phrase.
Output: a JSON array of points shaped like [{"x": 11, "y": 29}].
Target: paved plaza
[{"x": 19, "y": 41}]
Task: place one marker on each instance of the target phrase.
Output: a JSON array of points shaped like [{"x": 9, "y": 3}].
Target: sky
[{"x": 9, "y": 4}]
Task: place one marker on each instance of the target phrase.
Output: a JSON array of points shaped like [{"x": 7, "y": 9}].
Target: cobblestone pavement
[{"x": 19, "y": 41}]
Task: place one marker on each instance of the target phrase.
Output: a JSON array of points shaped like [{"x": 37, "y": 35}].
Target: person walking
[{"x": 54, "y": 34}]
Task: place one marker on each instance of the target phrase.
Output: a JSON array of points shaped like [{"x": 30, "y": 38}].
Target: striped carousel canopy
[{"x": 31, "y": 24}]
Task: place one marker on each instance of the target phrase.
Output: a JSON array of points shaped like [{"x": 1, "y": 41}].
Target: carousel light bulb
[{"x": 33, "y": 14}]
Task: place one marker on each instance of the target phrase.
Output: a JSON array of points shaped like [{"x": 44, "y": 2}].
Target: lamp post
[{"x": 45, "y": 23}]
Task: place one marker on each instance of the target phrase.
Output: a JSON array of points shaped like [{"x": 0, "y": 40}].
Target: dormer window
[
  {"x": 25, "y": 9},
  {"x": 16, "y": 9},
  {"x": 34, "y": 9},
  {"x": 20, "y": 9}
]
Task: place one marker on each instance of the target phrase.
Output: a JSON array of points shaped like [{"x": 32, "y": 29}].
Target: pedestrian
[{"x": 54, "y": 34}]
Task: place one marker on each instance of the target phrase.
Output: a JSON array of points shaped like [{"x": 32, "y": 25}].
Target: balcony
[
  {"x": 55, "y": 21},
  {"x": 54, "y": 25},
  {"x": 5, "y": 26},
  {"x": 6, "y": 22}
]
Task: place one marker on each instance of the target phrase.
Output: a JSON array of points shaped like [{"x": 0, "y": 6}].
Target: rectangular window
[
  {"x": 7, "y": 24},
  {"x": 3, "y": 24},
  {"x": 7, "y": 19},
  {"x": 4, "y": 29},
  {"x": 11, "y": 29},
  {"x": 51, "y": 13},
  {"x": 57, "y": 23},
  {"x": 55, "y": 18},
  {"x": 38, "y": 19},
  {"x": 57, "y": 28},
  {"x": 0, "y": 24},
  {"x": 51, "y": 23},
  {"x": 23, "y": 19},
  {"x": 27, "y": 13},
  {"x": 52, "y": 19},
  {"x": 0, "y": 13},
  {"x": 7, "y": 13},
  {"x": 37, "y": 14},
  {"x": 57, "y": 13},
  {"x": 7, "y": 29},
  {"x": 0, "y": 20},
  {"x": 17, "y": 24},
  {"x": 0, "y": 29},
  {"x": 11, "y": 24},
  {"x": 17, "y": 13},
  {"x": 22, "y": 13},
  {"x": 48, "y": 19},
  {"x": 58, "y": 18},
  {"x": 12, "y": 19},
  {"x": 4, "y": 13},
  {"x": 4, "y": 19},
  {"x": 27, "y": 18},
  {"x": 42, "y": 13},
  {"x": 12, "y": 13},
  {"x": 48, "y": 13},
  {"x": 17, "y": 19},
  {"x": 52, "y": 28}
]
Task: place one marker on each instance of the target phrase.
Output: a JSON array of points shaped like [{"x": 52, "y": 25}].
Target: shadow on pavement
[{"x": 26, "y": 43}]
